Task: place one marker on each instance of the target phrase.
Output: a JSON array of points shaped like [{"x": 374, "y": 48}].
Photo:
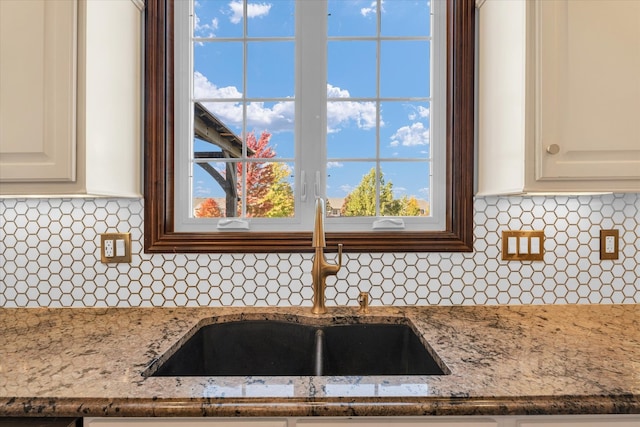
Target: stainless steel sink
[{"x": 274, "y": 348}]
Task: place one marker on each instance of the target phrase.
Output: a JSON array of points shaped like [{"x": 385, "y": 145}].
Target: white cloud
[
  {"x": 411, "y": 136},
  {"x": 201, "y": 29},
  {"x": 347, "y": 188},
  {"x": 201, "y": 190},
  {"x": 205, "y": 30},
  {"x": 203, "y": 88},
  {"x": 254, "y": 10},
  {"x": 340, "y": 114},
  {"x": 399, "y": 191},
  {"x": 228, "y": 112},
  {"x": 280, "y": 116},
  {"x": 420, "y": 113},
  {"x": 277, "y": 118},
  {"x": 371, "y": 10},
  {"x": 334, "y": 165},
  {"x": 336, "y": 92}
]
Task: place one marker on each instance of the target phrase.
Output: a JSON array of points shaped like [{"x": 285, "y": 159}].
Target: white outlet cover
[
  {"x": 108, "y": 248},
  {"x": 610, "y": 244}
]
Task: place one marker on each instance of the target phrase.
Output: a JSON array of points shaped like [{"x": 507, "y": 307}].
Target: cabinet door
[
  {"x": 38, "y": 422},
  {"x": 37, "y": 90},
  {"x": 602, "y": 422},
  {"x": 588, "y": 90},
  {"x": 180, "y": 422},
  {"x": 391, "y": 422}
]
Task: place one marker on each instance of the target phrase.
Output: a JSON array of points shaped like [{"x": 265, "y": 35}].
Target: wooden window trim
[{"x": 159, "y": 234}]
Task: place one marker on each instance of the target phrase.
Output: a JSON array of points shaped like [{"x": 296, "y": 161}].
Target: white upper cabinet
[
  {"x": 70, "y": 97},
  {"x": 559, "y": 96},
  {"x": 37, "y": 90}
]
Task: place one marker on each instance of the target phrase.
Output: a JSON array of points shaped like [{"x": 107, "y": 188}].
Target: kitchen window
[{"x": 316, "y": 135}]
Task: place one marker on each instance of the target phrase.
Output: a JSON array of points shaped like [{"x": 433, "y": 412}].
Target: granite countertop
[{"x": 552, "y": 359}]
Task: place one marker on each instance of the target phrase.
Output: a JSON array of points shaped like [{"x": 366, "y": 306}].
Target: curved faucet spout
[{"x": 321, "y": 268}]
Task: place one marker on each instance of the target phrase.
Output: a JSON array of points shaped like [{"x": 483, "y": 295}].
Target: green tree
[
  {"x": 362, "y": 200},
  {"x": 280, "y": 194},
  {"x": 410, "y": 206}
]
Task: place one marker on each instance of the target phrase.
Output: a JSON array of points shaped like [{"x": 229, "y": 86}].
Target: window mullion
[
  {"x": 183, "y": 113},
  {"x": 378, "y": 107},
  {"x": 311, "y": 101}
]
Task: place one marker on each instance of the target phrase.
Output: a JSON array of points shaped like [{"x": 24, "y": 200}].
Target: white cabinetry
[
  {"x": 70, "y": 97},
  {"x": 577, "y": 421},
  {"x": 37, "y": 90},
  {"x": 295, "y": 422},
  {"x": 181, "y": 422},
  {"x": 399, "y": 422},
  {"x": 444, "y": 421},
  {"x": 559, "y": 96}
]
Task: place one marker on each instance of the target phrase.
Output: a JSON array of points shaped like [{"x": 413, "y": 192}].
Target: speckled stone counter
[{"x": 503, "y": 360}]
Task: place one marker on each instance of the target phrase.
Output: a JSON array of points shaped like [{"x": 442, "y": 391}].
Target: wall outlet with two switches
[{"x": 115, "y": 247}]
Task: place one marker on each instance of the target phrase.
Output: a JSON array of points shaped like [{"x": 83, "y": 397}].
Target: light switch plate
[
  {"x": 118, "y": 245},
  {"x": 519, "y": 245},
  {"x": 609, "y": 244}
]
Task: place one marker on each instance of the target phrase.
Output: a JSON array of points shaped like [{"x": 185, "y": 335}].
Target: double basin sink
[{"x": 280, "y": 348}]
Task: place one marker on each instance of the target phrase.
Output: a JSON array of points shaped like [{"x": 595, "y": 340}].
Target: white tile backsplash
[{"x": 50, "y": 257}]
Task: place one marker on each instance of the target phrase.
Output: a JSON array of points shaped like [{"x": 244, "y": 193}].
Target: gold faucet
[{"x": 321, "y": 268}]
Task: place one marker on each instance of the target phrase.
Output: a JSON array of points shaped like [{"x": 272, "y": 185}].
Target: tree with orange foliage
[
  {"x": 208, "y": 209},
  {"x": 259, "y": 175},
  {"x": 266, "y": 181},
  {"x": 269, "y": 194}
]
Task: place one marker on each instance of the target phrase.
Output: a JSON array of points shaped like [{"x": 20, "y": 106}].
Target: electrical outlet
[
  {"x": 609, "y": 244},
  {"x": 115, "y": 247},
  {"x": 108, "y": 248}
]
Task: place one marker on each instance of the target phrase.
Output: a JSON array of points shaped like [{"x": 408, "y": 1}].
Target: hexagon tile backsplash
[{"x": 50, "y": 257}]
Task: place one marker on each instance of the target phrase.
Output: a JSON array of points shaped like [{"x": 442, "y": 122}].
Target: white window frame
[{"x": 310, "y": 174}]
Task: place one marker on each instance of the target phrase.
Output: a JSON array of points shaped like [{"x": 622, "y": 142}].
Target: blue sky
[{"x": 351, "y": 116}]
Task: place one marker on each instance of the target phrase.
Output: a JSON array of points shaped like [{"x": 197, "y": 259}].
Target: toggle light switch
[
  {"x": 524, "y": 245},
  {"x": 535, "y": 245},
  {"x": 120, "y": 248},
  {"x": 512, "y": 245}
]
